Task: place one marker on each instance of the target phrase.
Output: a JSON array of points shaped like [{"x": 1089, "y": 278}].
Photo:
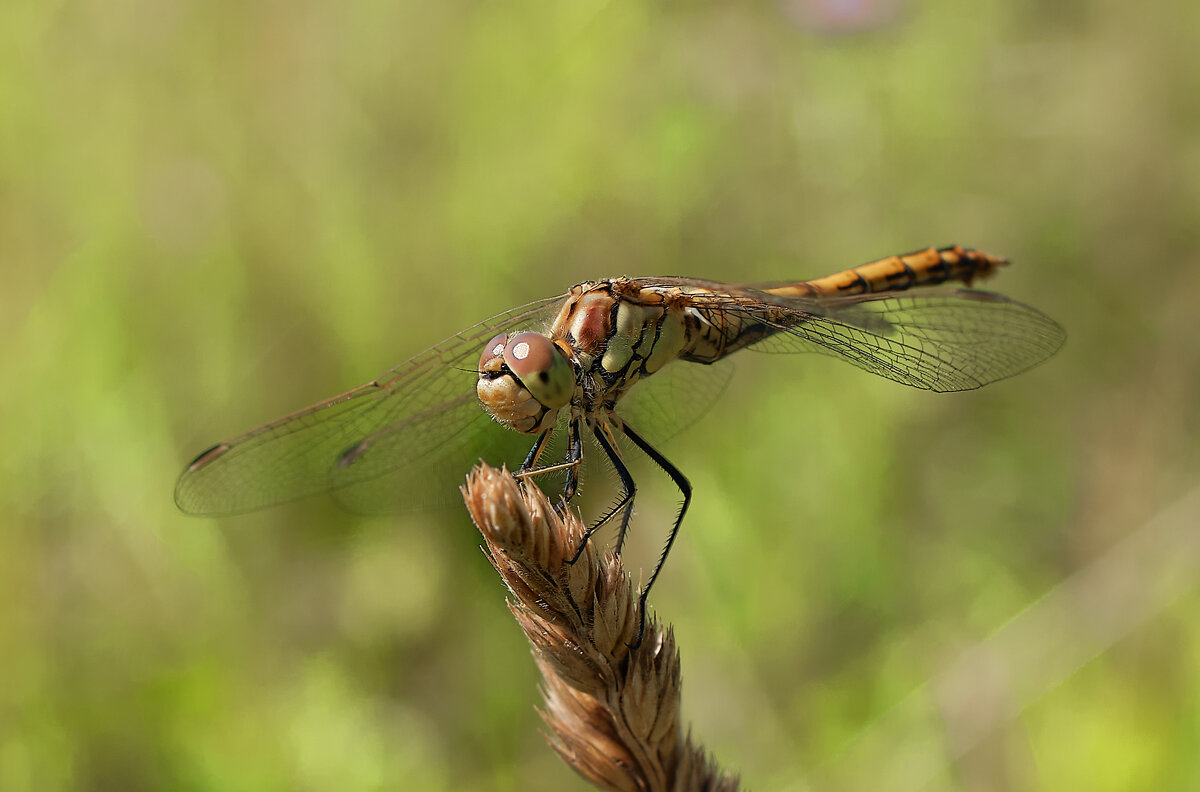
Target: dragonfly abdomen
[{"x": 928, "y": 267}]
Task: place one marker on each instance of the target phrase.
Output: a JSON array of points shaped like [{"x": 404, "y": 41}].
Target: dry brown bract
[{"x": 613, "y": 712}]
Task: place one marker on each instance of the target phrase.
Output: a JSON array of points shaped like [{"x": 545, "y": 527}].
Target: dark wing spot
[
  {"x": 208, "y": 455},
  {"x": 352, "y": 454},
  {"x": 979, "y": 295}
]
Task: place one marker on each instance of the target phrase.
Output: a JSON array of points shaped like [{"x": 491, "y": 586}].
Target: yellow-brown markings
[{"x": 897, "y": 273}]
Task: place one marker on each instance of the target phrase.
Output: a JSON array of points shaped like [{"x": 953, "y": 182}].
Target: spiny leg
[
  {"x": 685, "y": 487},
  {"x": 571, "y": 464},
  {"x": 531, "y": 459},
  {"x": 529, "y": 468},
  {"x": 624, "y": 504},
  {"x": 574, "y": 457}
]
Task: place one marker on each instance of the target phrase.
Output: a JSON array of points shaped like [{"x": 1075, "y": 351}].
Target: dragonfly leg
[
  {"x": 624, "y": 504},
  {"x": 529, "y": 468},
  {"x": 574, "y": 458},
  {"x": 531, "y": 459},
  {"x": 571, "y": 465},
  {"x": 685, "y": 487}
]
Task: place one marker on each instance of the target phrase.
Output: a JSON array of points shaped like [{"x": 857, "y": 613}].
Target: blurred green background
[{"x": 214, "y": 213}]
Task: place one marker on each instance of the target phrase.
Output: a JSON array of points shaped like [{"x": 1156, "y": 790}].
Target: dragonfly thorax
[{"x": 524, "y": 380}]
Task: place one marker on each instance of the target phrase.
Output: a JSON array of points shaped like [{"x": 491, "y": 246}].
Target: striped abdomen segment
[{"x": 928, "y": 267}]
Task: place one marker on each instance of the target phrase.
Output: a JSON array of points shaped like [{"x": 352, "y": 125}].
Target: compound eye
[
  {"x": 542, "y": 368},
  {"x": 493, "y": 350}
]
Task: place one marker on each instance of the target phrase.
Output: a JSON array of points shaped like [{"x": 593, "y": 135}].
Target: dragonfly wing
[
  {"x": 674, "y": 398},
  {"x": 950, "y": 340},
  {"x": 428, "y": 399},
  {"x": 420, "y": 461}
]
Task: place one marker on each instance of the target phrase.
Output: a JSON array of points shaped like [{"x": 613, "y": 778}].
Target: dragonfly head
[{"x": 524, "y": 380}]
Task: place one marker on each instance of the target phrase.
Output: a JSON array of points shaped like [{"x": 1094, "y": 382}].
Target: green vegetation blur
[{"x": 212, "y": 214}]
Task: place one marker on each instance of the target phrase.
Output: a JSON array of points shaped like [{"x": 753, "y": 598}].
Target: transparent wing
[
  {"x": 947, "y": 340},
  {"x": 674, "y": 398},
  {"x": 415, "y": 419},
  {"x": 420, "y": 460}
]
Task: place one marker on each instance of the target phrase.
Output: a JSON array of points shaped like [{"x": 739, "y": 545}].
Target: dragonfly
[{"x": 570, "y": 367}]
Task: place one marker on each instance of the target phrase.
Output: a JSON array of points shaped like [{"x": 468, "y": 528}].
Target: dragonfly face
[{"x": 524, "y": 381}]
